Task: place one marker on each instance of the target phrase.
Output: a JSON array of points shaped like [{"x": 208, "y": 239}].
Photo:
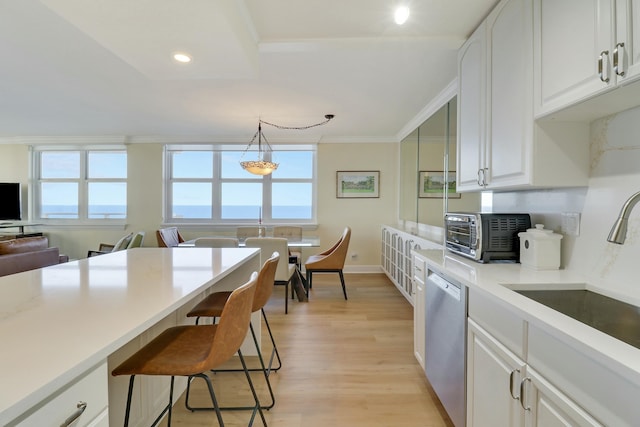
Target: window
[
  {"x": 80, "y": 184},
  {"x": 207, "y": 184}
]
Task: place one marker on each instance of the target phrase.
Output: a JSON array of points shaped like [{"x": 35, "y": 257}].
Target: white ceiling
[{"x": 104, "y": 67}]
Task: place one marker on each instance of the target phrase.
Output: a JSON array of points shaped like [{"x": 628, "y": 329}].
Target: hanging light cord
[{"x": 328, "y": 118}]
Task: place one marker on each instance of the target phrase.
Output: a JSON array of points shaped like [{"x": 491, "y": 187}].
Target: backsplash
[{"x": 614, "y": 177}]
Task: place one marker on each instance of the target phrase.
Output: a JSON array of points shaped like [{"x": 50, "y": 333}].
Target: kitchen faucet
[{"x": 619, "y": 230}]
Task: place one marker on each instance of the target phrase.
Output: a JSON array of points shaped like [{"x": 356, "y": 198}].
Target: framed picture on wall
[
  {"x": 432, "y": 185},
  {"x": 358, "y": 184}
]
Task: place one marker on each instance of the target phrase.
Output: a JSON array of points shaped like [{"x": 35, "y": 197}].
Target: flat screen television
[{"x": 10, "y": 205}]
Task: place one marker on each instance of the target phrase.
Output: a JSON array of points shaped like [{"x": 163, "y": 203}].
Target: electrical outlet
[
  {"x": 354, "y": 255},
  {"x": 571, "y": 223}
]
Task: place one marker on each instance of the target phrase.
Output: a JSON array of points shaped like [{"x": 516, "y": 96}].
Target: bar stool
[
  {"x": 192, "y": 350},
  {"x": 214, "y": 304}
]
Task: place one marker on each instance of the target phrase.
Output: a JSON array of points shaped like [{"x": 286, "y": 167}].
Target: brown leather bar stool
[
  {"x": 214, "y": 304},
  {"x": 192, "y": 350}
]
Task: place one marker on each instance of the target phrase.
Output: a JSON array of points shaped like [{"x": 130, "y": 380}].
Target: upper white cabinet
[
  {"x": 500, "y": 145},
  {"x": 583, "y": 48}
]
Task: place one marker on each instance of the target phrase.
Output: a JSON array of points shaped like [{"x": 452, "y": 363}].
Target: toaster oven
[{"x": 484, "y": 237}]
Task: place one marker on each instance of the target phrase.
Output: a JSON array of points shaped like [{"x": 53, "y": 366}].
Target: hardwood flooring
[{"x": 345, "y": 363}]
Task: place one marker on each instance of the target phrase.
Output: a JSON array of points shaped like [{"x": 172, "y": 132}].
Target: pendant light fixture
[{"x": 262, "y": 166}]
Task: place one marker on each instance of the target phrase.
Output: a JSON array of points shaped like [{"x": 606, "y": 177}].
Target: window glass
[
  {"x": 192, "y": 164},
  {"x": 107, "y": 165},
  {"x": 191, "y": 200},
  {"x": 56, "y": 164},
  {"x": 292, "y": 200},
  {"x": 59, "y": 200},
  {"x": 107, "y": 200},
  {"x": 241, "y": 200},
  {"x": 293, "y": 164},
  {"x": 81, "y": 184},
  {"x": 211, "y": 185}
]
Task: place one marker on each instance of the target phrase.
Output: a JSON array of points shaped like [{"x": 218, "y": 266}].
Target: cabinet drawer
[
  {"x": 609, "y": 397},
  {"x": 505, "y": 325},
  {"x": 90, "y": 388}
]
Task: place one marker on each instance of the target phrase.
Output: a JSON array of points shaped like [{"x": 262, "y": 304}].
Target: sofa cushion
[{"x": 26, "y": 244}]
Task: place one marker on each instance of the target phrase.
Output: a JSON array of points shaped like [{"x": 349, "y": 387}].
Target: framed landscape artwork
[
  {"x": 432, "y": 185},
  {"x": 358, "y": 184}
]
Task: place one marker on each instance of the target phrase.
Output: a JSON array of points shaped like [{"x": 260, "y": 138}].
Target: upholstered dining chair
[
  {"x": 292, "y": 234},
  {"x": 192, "y": 350},
  {"x": 216, "y": 242},
  {"x": 213, "y": 305},
  {"x": 105, "y": 248},
  {"x": 243, "y": 232},
  {"x": 329, "y": 261},
  {"x": 286, "y": 270},
  {"x": 169, "y": 237}
]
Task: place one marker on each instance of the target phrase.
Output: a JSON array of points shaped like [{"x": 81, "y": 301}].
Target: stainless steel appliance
[
  {"x": 485, "y": 236},
  {"x": 445, "y": 343}
]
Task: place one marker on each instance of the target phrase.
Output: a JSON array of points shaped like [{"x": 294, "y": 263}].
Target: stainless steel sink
[{"x": 608, "y": 315}]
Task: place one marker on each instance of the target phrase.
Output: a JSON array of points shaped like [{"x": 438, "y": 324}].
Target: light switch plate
[{"x": 571, "y": 223}]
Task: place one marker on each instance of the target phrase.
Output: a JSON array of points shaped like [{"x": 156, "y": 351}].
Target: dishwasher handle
[{"x": 448, "y": 287}]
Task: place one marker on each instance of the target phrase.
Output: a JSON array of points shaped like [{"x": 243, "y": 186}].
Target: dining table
[{"x": 298, "y": 281}]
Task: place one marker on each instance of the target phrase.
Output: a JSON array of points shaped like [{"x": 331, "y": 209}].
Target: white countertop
[
  {"x": 495, "y": 280},
  {"x": 59, "y": 321}
]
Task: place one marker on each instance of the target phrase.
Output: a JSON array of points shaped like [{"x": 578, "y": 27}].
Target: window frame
[
  {"x": 217, "y": 180},
  {"x": 83, "y": 181}
]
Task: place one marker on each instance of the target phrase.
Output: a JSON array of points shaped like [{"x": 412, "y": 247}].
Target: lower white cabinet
[
  {"x": 83, "y": 402},
  {"x": 419, "y": 314},
  {"x": 502, "y": 390}
]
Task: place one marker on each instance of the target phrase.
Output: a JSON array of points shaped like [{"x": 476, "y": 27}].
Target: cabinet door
[
  {"x": 493, "y": 377},
  {"x": 471, "y": 110},
  {"x": 628, "y": 32},
  {"x": 549, "y": 407},
  {"x": 510, "y": 94},
  {"x": 419, "y": 274},
  {"x": 570, "y": 37}
]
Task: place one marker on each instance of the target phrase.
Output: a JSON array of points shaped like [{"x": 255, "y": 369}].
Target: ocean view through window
[{"x": 208, "y": 184}]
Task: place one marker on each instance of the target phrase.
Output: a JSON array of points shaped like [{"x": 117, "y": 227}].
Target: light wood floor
[{"x": 345, "y": 363}]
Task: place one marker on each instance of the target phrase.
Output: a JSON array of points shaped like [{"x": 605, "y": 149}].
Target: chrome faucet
[{"x": 619, "y": 230}]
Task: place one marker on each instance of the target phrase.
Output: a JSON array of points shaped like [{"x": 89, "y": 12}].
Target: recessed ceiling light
[
  {"x": 182, "y": 57},
  {"x": 401, "y": 15}
]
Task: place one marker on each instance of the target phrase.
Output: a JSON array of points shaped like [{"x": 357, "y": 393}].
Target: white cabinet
[
  {"x": 502, "y": 390},
  {"x": 499, "y": 144},
  {"x": 419, "y": 315},
  {"x": 396, "y": 258},
  {"x": 83, "y": 402},
  {"x": 493, "y": 377},
  {"x": 583, "y": 48},
  {"x": 471, "y": 110}
]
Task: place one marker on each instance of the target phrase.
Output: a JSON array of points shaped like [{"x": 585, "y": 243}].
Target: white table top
[
  {"x": 305, "y": 242},
  {"x": 59, "y": 321}
]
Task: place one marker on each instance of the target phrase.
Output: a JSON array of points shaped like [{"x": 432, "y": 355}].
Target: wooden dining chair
[
  {"x": 169, "y": 237},
  {"x": 329, "y": 261},
  {"x": 192, "y": 350}
]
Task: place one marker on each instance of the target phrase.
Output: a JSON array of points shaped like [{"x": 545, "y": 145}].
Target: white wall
[{"x": 145, "y": 178}]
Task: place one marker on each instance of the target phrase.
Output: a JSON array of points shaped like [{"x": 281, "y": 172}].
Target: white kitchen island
[{"x": 63, "y": 328}]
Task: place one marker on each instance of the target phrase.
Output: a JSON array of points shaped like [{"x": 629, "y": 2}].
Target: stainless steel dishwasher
[{"x": 445, "y": 342}]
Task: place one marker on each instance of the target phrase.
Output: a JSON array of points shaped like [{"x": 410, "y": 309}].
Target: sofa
[{"x": 28, "y": 253}]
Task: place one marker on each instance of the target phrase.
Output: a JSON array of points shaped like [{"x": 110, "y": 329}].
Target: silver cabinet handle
[
  {"x": 601, "y": 66},
  {"x": 479, "y": 181},
  {"x": 522, "y": 397},
  {"x": 81, "y": 407},
  {"x": 511, "y": 383},
  {"x": 485, "y": 172},
  {"x": 618, "y": 70}
]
